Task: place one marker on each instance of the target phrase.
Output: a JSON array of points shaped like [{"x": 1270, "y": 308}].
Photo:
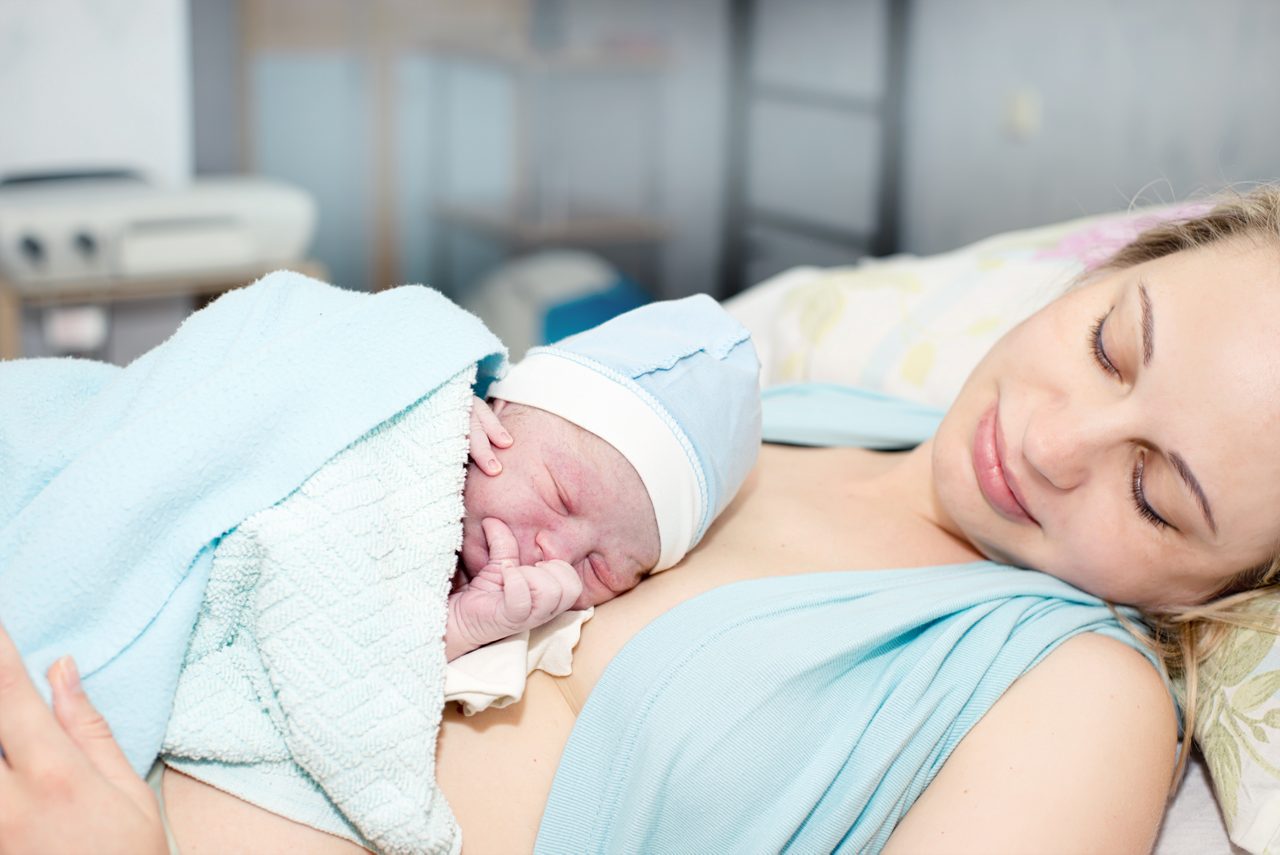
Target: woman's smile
[{"x": 992, "y": 474}]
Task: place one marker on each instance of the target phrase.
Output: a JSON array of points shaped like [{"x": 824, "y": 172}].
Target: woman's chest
[
  {"x": 822, "y": 510},
  {"x": 803, "y": 511}
]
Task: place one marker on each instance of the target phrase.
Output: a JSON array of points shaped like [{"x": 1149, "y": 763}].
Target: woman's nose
[{"x": 1063, "y": 443}]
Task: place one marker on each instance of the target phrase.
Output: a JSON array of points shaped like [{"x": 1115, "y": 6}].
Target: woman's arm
[{"x": 1076, "y": 757}]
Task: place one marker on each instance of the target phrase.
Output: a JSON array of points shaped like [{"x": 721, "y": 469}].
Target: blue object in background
[{"x": 589, "y": 310}]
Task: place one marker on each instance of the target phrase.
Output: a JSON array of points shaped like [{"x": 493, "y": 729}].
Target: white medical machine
[{"x": 100, "y": 229}]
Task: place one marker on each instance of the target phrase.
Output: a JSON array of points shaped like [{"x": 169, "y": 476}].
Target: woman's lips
[{"x": 990, "y": 472}]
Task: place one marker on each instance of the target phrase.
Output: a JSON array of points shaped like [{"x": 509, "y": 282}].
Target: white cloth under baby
[
  {"x": 495, "y": 675},
  {"x": 313, "y": 684}
]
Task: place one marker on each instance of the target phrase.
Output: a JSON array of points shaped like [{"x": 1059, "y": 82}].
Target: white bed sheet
[{"x": 1193, "y": 824}]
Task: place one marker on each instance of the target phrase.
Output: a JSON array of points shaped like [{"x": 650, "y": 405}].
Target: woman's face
[{"x": 1126, "y": 438}]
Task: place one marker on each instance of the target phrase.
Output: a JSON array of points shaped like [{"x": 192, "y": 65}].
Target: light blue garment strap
[
  {"x": 828, "y": 414},
  {"x": 802, "y": 713}
]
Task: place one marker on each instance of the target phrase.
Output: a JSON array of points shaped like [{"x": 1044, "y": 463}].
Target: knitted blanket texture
[{"x": 313, "y": 686}]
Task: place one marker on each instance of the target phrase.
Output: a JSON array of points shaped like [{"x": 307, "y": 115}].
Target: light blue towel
[
  {"x": 313, "y": 685},
  {"x": 803, "y": 713},
  {"x": 117, "y": 483}
]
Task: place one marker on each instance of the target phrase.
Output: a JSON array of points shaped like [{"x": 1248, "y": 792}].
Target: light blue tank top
[{"x": 803, "y": 713}]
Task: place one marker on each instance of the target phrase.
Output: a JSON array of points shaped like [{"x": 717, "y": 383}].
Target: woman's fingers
[
  {"x": 67, "y": 791},
  {"x": 27, "y": 729},
  {"x": 86, "y": 727}
]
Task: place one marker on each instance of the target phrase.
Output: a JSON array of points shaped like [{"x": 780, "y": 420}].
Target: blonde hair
[{"x": 1184, "y": 637}]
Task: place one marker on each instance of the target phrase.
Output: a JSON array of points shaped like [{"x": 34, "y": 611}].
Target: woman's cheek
[{"x": 1075, "y": 545}]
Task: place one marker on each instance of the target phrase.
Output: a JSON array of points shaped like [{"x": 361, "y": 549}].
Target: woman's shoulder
[
  {"x": 1119, "y": 684},
  {"x": 1079, "y": 750}
]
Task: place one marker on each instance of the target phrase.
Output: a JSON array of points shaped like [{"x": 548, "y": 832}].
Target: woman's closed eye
[
  {"x": 1138, "y": 492},
  {"x": 1098, "y": 347}
]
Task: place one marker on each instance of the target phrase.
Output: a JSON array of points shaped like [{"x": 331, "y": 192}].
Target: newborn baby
[
  {"x": 562, "y": 522},
  {"x": 604, "y": 457}
]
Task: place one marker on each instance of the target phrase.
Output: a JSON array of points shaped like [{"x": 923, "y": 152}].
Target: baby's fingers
[
  {"x": 504, "y": 550},
  {"x": 558, "y": 589},
  {"x": 486, "y": 432},
  {"x": 517, "y": 598},
  {"x": 490, "y": 425},
  {"x": 481, "y": 453}
]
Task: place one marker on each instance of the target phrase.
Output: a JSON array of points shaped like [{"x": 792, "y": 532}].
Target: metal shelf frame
[{"x": 745, "y": 91}]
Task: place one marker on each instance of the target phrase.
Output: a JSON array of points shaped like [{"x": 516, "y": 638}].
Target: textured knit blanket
[
  {"x": 117, "y": 484},
  {"x": 313, "y": 686}
]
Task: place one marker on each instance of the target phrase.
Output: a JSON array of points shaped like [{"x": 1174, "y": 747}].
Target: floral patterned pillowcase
[
  {"x": 1238, "y": 729},
  {"x": 915, "y": 328}
]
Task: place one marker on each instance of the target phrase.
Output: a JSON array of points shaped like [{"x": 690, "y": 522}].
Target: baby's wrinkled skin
[{"x": 555, "y": 518}]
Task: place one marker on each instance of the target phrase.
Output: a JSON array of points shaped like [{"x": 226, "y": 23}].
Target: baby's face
[{"x": 567, "y": 494}]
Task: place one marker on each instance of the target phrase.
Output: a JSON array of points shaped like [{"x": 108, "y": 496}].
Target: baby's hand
[
  {"x": 506, "y": 597},
  {"x": 486, "y": 432}
]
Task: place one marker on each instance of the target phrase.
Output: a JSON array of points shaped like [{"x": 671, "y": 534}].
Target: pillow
[
  {"x": 915, "y": 328},
  {"x": 1238, "y": 729}
]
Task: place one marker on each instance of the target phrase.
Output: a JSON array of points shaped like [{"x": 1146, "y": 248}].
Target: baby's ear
[{"x": 497, "y": 405}]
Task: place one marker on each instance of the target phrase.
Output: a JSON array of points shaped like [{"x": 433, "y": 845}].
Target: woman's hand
[
  {"x": 65, "y": 785},
  {"x": 486, "y": 432}
]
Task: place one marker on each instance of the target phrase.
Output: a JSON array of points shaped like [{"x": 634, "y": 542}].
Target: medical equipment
[{"x": 96, "y": 229}]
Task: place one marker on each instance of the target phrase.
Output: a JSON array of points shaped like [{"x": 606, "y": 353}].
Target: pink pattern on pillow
[{"x": 1096, "y": 243}]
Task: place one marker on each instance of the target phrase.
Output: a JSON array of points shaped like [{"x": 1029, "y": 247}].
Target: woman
[{"x": 1111, "y": 440}]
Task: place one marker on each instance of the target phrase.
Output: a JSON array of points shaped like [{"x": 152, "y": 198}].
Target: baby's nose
[
  {"x": 543, "y": 546},
  {"x": 555, "y": 544}
]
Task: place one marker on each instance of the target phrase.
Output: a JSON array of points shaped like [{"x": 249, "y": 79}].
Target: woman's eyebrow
[
  {"x": 1184, "y": 472},
  {"x": 1148, "y": 324}
]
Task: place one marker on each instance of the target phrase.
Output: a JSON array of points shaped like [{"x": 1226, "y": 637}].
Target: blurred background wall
[
  {"x": 702, "y": 145},
  {"x": 1004, "y": 113},
  {"x": 1028, "y": 112}
]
